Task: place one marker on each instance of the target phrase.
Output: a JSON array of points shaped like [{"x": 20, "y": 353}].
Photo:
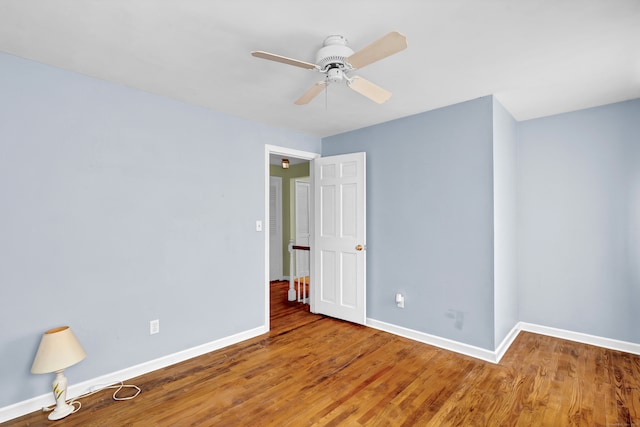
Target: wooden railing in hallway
[{"x": 299, "y": 272}]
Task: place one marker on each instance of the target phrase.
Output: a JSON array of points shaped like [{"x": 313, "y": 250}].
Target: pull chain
[{"x": 326, "y": 97}]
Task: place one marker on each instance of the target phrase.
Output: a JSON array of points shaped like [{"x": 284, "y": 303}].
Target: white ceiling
[{"x": 539, "y": 57}]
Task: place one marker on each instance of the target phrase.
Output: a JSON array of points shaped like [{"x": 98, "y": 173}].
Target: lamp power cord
[{"x": 75, "y": 402}]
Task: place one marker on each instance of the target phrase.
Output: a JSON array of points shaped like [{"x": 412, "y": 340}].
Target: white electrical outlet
[
  {"x": 154, "y": 327},
  {"x": 400, "y": 300}
]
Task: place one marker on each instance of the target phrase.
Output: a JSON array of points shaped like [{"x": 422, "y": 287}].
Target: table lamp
[{"x": 59, "y": 349}]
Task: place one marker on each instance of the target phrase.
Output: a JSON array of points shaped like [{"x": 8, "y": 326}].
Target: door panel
[
  {"x": 328, "y": 267},
  {"x": 349, "y": 297},
  {"x": 349, "y": 211}
]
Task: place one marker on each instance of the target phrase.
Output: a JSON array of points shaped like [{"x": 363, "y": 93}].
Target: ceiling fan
[{"x": 336, "y": 60}]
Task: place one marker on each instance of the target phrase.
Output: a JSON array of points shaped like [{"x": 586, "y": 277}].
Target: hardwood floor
[{"x": 311, "y": 370}]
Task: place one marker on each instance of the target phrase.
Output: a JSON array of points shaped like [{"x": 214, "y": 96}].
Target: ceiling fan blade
[
  {"x": 385, "y": 46},
  {"x": 311, "y": 93},
  {"x": 370, "y": 90},
  {"x": 283, "y": 59}
]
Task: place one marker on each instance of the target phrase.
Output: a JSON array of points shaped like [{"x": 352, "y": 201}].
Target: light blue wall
[
  {"x": 430, "y": 220},
  {"x": 119, "y": 207},
  {"x": 505, "y": 228},
  {"x": 578, "y": 221},
  {"x": 634, "y": 226}
]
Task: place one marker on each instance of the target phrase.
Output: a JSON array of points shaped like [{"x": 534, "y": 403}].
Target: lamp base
[
  {"x": 61, "y": 411},
  {"x": 59, "y": 387}
]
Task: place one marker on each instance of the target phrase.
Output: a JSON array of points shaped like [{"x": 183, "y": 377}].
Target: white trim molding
[
  {"x": 609, "y": 343},
  {"x": 506, "y": 343},
  {"x": 496, "y": 356},
  {"x": 27, "y": 406},
  {"x": 445, "y": 343}
]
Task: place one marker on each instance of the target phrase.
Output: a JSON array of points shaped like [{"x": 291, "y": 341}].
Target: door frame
[
  {"x": 293, "y": 153},
  {"x": 277, "y": 180}
]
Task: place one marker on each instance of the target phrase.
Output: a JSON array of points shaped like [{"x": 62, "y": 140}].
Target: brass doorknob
[{"x": 359, "y": 247}]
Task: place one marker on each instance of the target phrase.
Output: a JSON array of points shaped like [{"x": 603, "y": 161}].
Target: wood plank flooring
[{"x": 312, "y": 370}]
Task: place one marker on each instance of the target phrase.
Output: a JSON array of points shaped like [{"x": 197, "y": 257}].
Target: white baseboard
[
  {"x": 506, "y": 342},
  {"x": 495, "y": 356},
  {"x": 447, "y": 344},
  {"x": 611, "y": 344},
  {"x": 75, "y": 390}
]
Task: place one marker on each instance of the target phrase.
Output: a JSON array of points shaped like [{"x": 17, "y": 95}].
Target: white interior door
[
  {"x": 338, "y": 279},
  {"x": 275, "y": 228},
  {"x": 302, "y": 211}
]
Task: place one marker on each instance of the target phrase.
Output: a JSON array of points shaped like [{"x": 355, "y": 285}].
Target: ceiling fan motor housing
[{"x": 334, "y": 54}]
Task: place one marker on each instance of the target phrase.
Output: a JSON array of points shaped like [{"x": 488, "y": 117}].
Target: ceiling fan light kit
[{"x": 336, "y": 60}]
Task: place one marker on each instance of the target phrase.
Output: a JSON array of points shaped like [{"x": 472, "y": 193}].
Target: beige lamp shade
[{"x": 59, "y": 349}]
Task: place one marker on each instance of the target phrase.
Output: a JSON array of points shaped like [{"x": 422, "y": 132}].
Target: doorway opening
[
  {"x": 278, "y": 233},
  {"x": 338, "y": 238}
]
